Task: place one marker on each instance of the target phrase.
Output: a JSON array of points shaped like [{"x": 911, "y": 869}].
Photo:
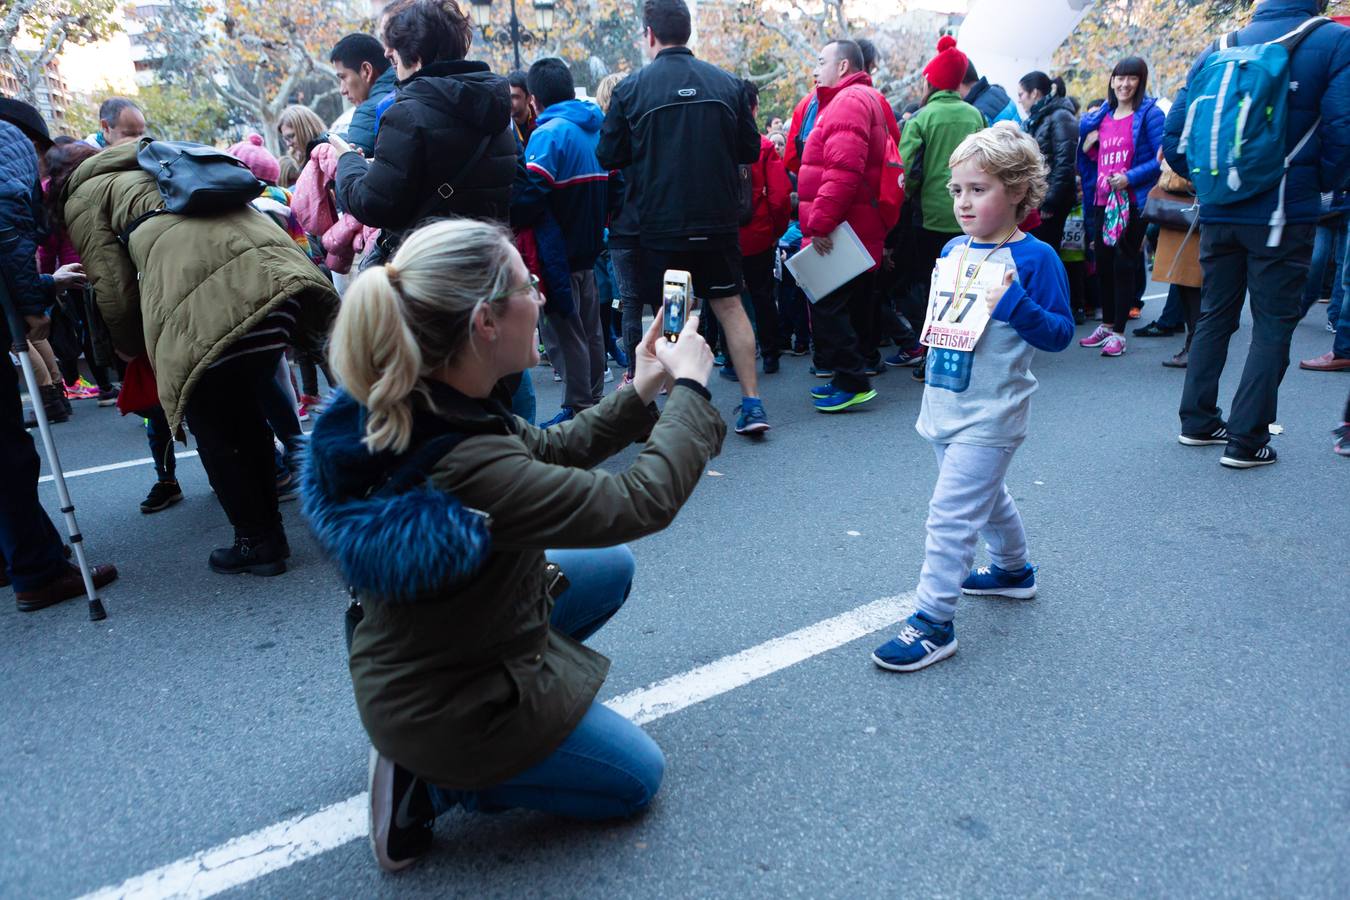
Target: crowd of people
[{"x": 995, "y": 225}]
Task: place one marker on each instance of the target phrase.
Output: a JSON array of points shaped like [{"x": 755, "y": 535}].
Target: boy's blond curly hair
[{"x": 1012, "y": 156}]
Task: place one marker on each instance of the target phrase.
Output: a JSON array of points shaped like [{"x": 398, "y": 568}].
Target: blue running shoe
[
  {"x": 991, "y": 581},
  {"x": 752, "y": 419},
  {"x": 823, "y": 390},
  {"x": 822, "y": 373},
  {"x": 565, "y": 414},
  {"x": 728, "y": 372},
  {"x": 842, "y": 400},
  {"x": 920, "y": 643},
  {"x": 905, "y": 358}
]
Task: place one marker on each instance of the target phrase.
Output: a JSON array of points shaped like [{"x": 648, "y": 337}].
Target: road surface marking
[
  {"x": 246, "y": 858},
  {"x": 112, "y": 467}
]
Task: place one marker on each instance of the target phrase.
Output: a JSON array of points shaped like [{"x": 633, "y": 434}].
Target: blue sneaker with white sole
[
  {"x": 920, "y": 643},
  {"x": 823, "y": 390},
  {"x": 752, "y": 419},
  {"x": 991, "y": 581},
  {"x": 841, "y": 400}
]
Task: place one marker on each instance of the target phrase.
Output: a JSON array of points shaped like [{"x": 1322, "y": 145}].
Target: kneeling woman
[{"x": 439, "y": 507}]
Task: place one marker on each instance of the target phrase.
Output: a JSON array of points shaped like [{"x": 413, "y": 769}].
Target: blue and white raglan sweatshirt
[
  {"x": 563, "y": 175},
  {"x": 983, "y": 396}
]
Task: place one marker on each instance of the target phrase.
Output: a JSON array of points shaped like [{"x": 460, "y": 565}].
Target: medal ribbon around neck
[{"x": 961, "y": 264}]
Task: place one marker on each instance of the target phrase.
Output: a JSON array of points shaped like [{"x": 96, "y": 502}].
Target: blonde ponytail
[{"x": 401, "y": 322}]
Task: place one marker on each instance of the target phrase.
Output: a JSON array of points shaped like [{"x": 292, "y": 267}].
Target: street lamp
[{"x": 481, "y": 13}]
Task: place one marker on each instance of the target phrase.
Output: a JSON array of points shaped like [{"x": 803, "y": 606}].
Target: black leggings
[{"x": 1118, "y": 270}]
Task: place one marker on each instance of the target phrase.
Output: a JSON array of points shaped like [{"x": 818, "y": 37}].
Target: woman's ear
[{"x": 485, "y": 323}]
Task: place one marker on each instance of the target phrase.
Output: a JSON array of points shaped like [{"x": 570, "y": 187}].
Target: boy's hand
[{"x": 996, "y": 293}]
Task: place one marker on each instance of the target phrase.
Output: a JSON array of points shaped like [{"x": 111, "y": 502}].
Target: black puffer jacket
[
  {"x": 432, "y": 130},
  {"x": 1055, "y": 126}
]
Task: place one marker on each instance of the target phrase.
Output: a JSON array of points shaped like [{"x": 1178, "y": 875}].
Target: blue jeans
[
  {"x": 607, "y": 768},
  {"x": 1339, "y": 314},
  {"x": 1328, "y": 250},
  {"x": 1174, "y": 312},
  {"x": 523, "y": 402}
]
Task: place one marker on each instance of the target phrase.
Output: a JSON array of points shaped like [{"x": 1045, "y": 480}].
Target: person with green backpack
[{"x": 1262, "y": 128}]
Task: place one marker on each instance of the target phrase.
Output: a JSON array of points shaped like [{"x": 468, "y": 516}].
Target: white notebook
[{"x": 819, "y": 276}]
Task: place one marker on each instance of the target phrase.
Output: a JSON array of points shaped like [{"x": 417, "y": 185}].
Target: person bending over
[{"x": 484, "y": 550}]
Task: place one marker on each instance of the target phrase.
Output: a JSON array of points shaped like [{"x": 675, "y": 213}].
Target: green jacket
[
  {"x": 926, "y": 143},
  {"x": 471, "y": 687},
  {"x": 186, "y": 287}
]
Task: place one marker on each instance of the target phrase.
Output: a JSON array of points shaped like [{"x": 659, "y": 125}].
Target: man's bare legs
[{"x": 740, "y": 337}]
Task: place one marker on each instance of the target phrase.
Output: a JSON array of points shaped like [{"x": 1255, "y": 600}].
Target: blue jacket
[
  {"x": 1321, "y": 68},
  {"x": 563, "y": 175},
  {"x": 1148, "y": 138},
  {"x": 21, "y": 226},
  {"x": 361, "y": 129}
]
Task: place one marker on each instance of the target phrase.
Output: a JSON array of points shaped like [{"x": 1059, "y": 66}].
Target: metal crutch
[{"x": 18, "y": 331}]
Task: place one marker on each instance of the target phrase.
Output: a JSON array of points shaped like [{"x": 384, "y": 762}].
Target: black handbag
[
  {"x": 1171, "y": 210},
  {"x": 197, "y": 180}
]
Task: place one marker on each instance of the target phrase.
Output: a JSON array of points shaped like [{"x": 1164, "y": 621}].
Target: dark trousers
[
  {"x": 161, "y": 443},
  {"x": 1235, "y": 260},
  {"x": 226, "y": 414},
  {"x": 1118, "y": 270},
  {"x": 795, "y": 322},
  {"x": 29, "y": 546},
  {"x": 759, "y": 284},
  {"x": 1051, "y": 230},
  {"x": 833, "y": 321}
]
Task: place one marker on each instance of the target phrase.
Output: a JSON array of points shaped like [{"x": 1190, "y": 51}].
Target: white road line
[
  {"x": 251, "y": 856},
  {"x": 112, "y": 467}
]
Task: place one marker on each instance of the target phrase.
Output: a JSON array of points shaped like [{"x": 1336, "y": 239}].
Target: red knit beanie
[
  {"x": 251, "y": 152},
  {"x": 945, "y": 71}
]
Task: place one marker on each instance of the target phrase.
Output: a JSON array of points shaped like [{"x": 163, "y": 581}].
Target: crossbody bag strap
[
  {"x": 446, "y": 190},
  {"x": 124, "y": 236}
]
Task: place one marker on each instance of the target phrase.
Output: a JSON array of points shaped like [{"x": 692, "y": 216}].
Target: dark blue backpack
[{"x": 1234, "y": 139}]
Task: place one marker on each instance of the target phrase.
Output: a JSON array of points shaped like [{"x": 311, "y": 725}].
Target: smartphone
[{"x": 677, "y": 299}]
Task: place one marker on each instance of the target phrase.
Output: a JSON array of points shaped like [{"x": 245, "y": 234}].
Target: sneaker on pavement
[
  {"x": 67, "y": 586},
  {"x": 1079, "y": 317},
  {"x": 163, "y": 494},
  {"x": 1156, "y": 329},
  {"x": 1197, "y": 439},
  {"x": 842, "y": 400},
  {"x": 991, "y": 581},
  {"x": 609, "y": 374},
  {"x": 1179, "y": 361},
  {"x": 1342, "y": 444},
  {"x": 823, "y": 390},
  {"x": 1114, "y": 346},
  {"x": 400, "y": 814},
  {"x": 822, "y": 373},
  {"x": 1098, "y": 337},
  {"x": 752, "y": 419},
  {"x": 728, "y": 372},
  {"x": 1327, "y": 362},
  {"x": 1135, "y": 311},
  {"x": 565, "y": 414},
  {"x": 800, "y": 349},
  {"x": 108, "y": 397},
  {"x": 1237, "y": 457},
  {"x": 770, "y": 365},
  {"x": 873, "y": 369},
  {"x": 557, "y": 376},
  {"x": 903, "y": 358},
  {"x": 920, "y": 643}
]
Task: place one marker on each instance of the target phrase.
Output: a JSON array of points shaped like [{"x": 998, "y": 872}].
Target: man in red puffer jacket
[
  {"x": 759, "y": 239},
  {"x": 839, "y": 182}
]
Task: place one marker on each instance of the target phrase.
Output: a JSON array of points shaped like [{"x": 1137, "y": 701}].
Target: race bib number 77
[{"x": 957, "y": 310}]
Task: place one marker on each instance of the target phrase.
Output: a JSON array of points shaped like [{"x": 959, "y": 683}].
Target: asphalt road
[{"x": 1168, "y": 718}]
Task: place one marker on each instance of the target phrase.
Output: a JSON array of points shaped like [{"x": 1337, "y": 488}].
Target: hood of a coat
[
  {"x": 467, "y": 90},
  {"x": 825, "y": 94},
  {"x": 1047, "y": 105},
  {"x": 402, "y": 545},
  {"x": 982, "y": 87},
  {"x": 582, "y": 113},
  {"x": 115, "y": 159},
  {"x": 1284, "y": 9}
]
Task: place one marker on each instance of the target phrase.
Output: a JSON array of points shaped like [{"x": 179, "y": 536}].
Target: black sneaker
[
  {"x": 400, "y": 814},
  {"x": 919, "y": 371},
  {"x": 163, "y": 495},
  {"x": 1191, "y": 439},
  {"x": 256, "y": 556},
  {"x": 1153, "y": 329},
  {"x": 1236, "y": 457},
  {"x": 770, "y": 365},
  {"x": 108, "y": 397}
]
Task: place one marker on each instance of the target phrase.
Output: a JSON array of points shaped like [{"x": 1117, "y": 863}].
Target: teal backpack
[{"x": 1234, "y": 139}]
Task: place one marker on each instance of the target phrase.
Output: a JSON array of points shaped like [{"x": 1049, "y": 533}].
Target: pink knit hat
[{"x": 251, "y": 152}]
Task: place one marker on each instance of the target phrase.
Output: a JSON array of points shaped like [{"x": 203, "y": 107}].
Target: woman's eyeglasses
[{"x": 532, "y": 286}]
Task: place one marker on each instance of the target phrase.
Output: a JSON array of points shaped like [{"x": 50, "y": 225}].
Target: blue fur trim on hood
[{"x": 400, "y": 547}]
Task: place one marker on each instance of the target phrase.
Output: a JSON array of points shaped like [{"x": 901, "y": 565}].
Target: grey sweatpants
[
  {"x": 969, "y": 500},
  {"x": 576, "y": 346}
]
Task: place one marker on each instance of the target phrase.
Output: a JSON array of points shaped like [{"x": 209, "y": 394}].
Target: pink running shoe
[
  {"x": 1097, "y": 338},
  {"x": 1114, "y": 346}
]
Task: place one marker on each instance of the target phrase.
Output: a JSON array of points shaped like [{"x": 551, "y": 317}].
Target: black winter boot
[{"x": 265, "y": 555}]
